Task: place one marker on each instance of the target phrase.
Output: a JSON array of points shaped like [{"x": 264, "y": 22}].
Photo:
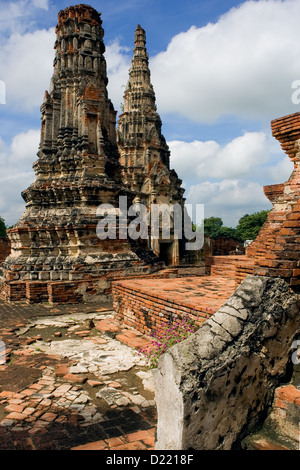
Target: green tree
[
  {"x": 249, "y": 225},
  {"x": 213, "y": 227},
  {"x": 2, "y": 228}
]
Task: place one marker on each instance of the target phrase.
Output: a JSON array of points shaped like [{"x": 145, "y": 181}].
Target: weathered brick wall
[
  {"x": 146, "y": 312},
  {"x": 71, "y": 292}
]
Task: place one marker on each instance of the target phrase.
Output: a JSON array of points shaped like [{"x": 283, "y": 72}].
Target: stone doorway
[{"x": 166, "y": 253}]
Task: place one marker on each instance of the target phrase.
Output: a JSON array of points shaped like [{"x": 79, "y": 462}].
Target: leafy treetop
[
  {"x": 247, "y": 228},
  {"x": 2, "y": 228}
]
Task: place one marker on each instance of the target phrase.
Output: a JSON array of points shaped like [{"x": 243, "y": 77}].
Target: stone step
[{"x": 223, "y": 270}]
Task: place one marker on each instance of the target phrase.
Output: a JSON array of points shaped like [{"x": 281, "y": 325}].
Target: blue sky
[{"x": 221, "y": 71}]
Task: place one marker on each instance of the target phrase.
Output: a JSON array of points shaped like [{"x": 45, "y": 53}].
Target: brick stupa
[
  {"x": 144, "y": 153},
  {"x": 56, "y": 255}
]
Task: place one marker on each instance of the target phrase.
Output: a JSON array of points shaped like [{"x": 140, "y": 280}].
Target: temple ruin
[
  {"x": 83, "y": 162},
  {"x": 222, "y": 381},
  {"x": 56, "y": 255},
  {"x": 144, "y": 153}
]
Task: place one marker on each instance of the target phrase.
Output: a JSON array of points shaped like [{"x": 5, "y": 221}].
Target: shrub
[{"x": 166, "y": 337}]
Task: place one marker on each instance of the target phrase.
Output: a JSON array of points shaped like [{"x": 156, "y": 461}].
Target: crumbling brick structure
[
  {"x": 275, "y": 251},
  {"x": 56, "y": 255}
]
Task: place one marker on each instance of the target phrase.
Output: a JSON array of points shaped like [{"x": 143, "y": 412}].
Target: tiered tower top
[{"x": 139, "y": 94}]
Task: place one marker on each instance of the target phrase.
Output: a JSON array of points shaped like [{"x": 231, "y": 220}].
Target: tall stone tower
[
  {"x": 144, "y": 153},
  {"x": 56, "y": 254}
]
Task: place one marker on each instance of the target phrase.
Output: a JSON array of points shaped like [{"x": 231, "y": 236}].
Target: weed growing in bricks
[{"x": 166, "y": 337}]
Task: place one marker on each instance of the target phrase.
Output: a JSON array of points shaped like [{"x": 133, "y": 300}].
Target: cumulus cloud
[
  {"x": 16, "y": 173},
  {"x": 242, "y": 65},
  {"x": 249, "y": 155},
  {"x": 18, "y": 16},
  {"x": 26, "y": 67},
  {"x": 228, "y": 179},
  {"x": 118, "y": 63},
  {"x": 228, "y": 199}
]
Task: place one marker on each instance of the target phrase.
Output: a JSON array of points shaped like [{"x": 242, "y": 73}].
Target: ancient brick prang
[
  {"x": 144, "y": 153},
  {"x": 56, "y": 254}
]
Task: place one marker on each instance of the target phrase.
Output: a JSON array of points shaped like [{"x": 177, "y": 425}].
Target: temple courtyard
[{"x": 74, "y": 378}]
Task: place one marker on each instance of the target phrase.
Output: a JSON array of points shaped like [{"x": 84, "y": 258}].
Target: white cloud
[
  {"x": 228, "y": 199},
  {"x": 43, "y": 4},
  {"x": 281, "y": 171},
  {"x": 226, "y": 178},
  {"x": 242, "y": 65},
  {"x": 16, "y": 173},
  {"x": 249, "y": 155},
  {"x": 18, "y": 16},
  {"x": 118, "y": 64},
  {"x": 26, "y": 68}
]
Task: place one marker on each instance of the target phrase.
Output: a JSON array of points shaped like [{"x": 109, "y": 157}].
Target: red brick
[
  {"x": 98, "y": 445},
  {"x": 288, "y": 393},
  {"x": 74, "y": 378},
  {"x": 16, "y": 416},
  {"x": 15, "y": 408}
]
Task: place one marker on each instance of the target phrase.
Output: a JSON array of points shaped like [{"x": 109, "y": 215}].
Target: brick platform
[{"x": 149, "y": 305}]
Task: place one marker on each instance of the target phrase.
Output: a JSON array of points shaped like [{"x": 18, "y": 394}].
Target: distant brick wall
[
  {"x": 71, "y": 292},
  {"x": 4, "y": 248},
  {"x": 226, "y": 246}
]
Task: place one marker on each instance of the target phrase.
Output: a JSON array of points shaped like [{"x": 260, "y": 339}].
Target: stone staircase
[
  {"x": 235, "y": 267},
  {"x": 222, "y": 265}
]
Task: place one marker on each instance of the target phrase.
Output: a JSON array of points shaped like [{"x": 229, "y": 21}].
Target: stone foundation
[{"x": 73, "y": 292}]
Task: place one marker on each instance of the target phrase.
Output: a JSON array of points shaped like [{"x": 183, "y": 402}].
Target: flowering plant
[{"x": 166, "y": 337}]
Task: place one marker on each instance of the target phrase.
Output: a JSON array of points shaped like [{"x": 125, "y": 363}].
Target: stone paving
[{"x": 73, "y": 378}]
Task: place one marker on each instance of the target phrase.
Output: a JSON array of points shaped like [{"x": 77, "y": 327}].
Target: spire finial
[{"x": 140, "y": 36}]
